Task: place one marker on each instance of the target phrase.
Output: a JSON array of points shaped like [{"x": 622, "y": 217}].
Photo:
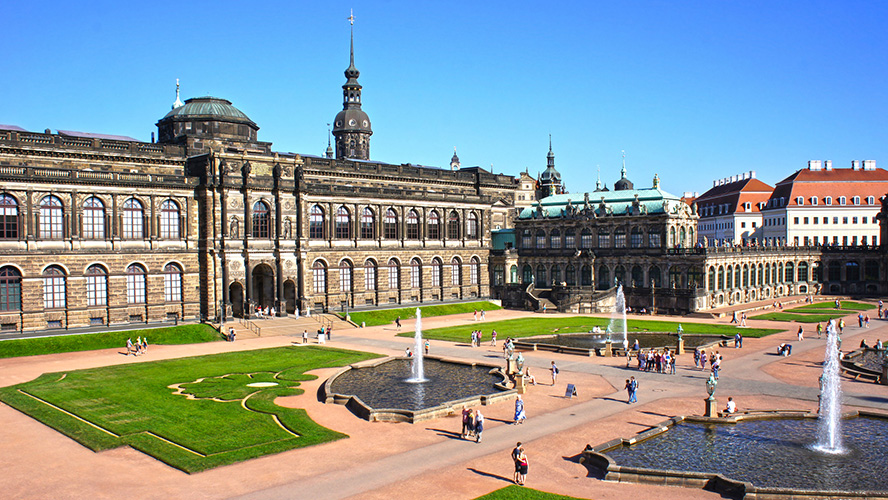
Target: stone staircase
[{"x": 288, "y": 325}]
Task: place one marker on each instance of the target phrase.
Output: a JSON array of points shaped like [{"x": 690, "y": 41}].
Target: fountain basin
[
  {"x": 588, "y": 344},
  {"x": 379, "y": 391},
  {"x": 754, "y": 456}
]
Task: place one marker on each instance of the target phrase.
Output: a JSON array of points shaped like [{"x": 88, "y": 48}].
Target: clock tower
[{"x": 351, "y": 128}]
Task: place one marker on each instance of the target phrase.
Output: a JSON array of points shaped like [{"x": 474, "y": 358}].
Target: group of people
[
  {"x": 878, "y": 345},
  {"x": 472, "y": 424},
  {"x": 714, "y": 358},
  {"x": 231, "y": 335},
  {"x": 265, "y": 312},
  {"x": 477, "y": 335},
  {"x": 476, "y": 316},
  {"x": 137, "y": 349},
  {"x": 520, "y": 459},
  {"x": 658, "y": 361},
  {"x": 632, "y": 389},
  {"x": 863, "y": 320},
  {"x": 739, "y": 320}
]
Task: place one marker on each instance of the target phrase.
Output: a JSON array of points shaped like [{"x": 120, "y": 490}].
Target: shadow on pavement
[
  {"x": 445, "y": 433},
  {"x": 487, "y": 474}
]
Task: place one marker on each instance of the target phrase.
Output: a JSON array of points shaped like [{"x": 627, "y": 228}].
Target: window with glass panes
[
  {"x": 345, "y": 276},
  {"x": 619, "y": 238},
  {"x": 436, "y": 272},
  {"x": 169, "y": 220},
  {"x": 472, "y": 226},
  {"x": 570, "y": 238},
  {"x": 412, "y": 225},
  {"x": 526, "y": 239},
  {"x": 49, "y": 219},
  {"x": 394, "y": 275},
  {"x": 474, "y": 271},
  {"x": 9, "y": 225},
  {"x": 96, "y": 286},
  {"x": 133, "y": 220},
  {"x": 390, "y": 225},
  {"x": 53, "y": 288},
  {"x": 319, "y": 277},
  {"x": 555, "y": 239},
  {"x": 434, "y": 226},
  {"x": 316, "y": 223},
  {"x": 261, "y": 220},
  {"x": 368, "y": 224},
  {"x": 453, "y": 226},
  {"x": 342, "y": 228},
  {"x": 636, "y": 238},
  {"x": 654, "y": 239},
  {"x": 135, "y": 284},
  {"x": 415, "y": 274},
  {"x": 586, "y": 239},
  {"x": 172, "y": 283},
  {"x": 370, "y": 275},
  {"x": 603, "y": 239},
  {"x": 455, "y": 272},
  {"x": 93, "y": 219},
  {"x": 541, "y": 239},
  {"x": 10, "y": 289}
]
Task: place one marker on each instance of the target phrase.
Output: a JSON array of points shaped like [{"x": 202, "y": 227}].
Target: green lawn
[
  {"x": 388, "y": 316},
  {"x": 191, "y": 413},
  {"x": 846, "y": 305},
  {"x": 515, "y": 492},
  {"x": 529, "y": 327},
  {"x": 184, "y": 334},
  {"x": 800, "y": 318}
]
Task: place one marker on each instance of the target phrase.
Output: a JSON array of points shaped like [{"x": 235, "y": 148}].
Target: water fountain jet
[
  {"x": 829, "y": 432},
  {"x": 418, "y": 369}
]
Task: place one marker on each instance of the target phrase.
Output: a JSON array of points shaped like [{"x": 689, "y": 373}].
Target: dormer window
[
  {"x": 827, "y": 200},
  {"x": 800, "y": 201},
  {"x": 842, "y": 200},
  {"x": 856, "y": 200},
  {"x": 870, "y": 200},
  {"x": 747, "y": 206},
  {"x": 813, "y": 200}
]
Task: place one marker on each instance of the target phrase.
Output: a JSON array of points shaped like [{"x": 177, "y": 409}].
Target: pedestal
[
  {"x": 711, "y": 407},
  {"x": 680, "y": 347},
  {"x": 519, "y": 383},
  {"x": 511, "y": 366},
  {"x": 608, "y": 349},
  {"x": 884, "y": 379}
]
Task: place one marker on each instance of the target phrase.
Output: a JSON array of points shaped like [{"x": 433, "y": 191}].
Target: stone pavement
[{"x": 425, "y": 460}]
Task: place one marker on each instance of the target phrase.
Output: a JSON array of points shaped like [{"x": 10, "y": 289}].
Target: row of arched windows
[
  {"x": 371, "y": 274},
  {"x": 604, "y": 238},
  {"x": 737, "y": 276},
  {"x": 50, "y": 220},
  {"x": 343, "y": 227},
  {"x": 55, "y": 290}
]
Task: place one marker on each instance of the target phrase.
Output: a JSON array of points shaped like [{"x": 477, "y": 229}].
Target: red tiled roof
[
  {"x": 838, "y": 182},
  {"x": 735, "y": 194}
]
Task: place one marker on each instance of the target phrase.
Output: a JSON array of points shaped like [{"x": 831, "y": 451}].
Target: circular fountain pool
[
  {"x": 381, "y": 391},
  {"x": 645, "y": 340}
]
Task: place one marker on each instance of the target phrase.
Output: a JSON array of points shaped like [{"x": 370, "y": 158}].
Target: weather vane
[{"x": 351, "y": 16}]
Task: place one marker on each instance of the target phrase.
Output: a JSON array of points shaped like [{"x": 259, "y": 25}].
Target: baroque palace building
[{"x": 108, "y": 230}]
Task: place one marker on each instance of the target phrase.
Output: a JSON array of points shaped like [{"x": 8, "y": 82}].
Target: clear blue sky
[{"x": 691, "y": 90}]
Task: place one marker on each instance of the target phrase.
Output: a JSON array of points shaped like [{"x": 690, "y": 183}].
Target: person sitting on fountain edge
[{"x": 731, "y": 407}]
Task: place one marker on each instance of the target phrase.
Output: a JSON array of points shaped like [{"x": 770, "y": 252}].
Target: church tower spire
[
  {"x": 351, "y": 127},
  {"x": 550, "y": 180}
]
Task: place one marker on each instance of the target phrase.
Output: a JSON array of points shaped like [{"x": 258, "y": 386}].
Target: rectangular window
[
  {"x": 394, "y": 278},
  {"x": 854, "y": 240},
  {"x": 620, "y": 240},
  {"x": 454, "y": 273},
  {"x": 863, "y": 240},
  {"x": 135, "y": 288},
  {"x": 436, "y": 274},
  {"x": 742, "y": 225},
  {"x": 795, "y": 241},
  {"x": 415, "y": 275},
  {"x": 844, "y": 220},
  {"x": 654, "y": 239},
  {"x": 805, "y": 220},
  {"x": 54, "y": 292},
  {"x": 172, "y": 286},
  {"x": 96, "y": 290},
  {"x": 816, "y": 220},
  {"x": 826, "y": 220},
  {"x": 844, "y": 241},
  {"x": 753, "y": 224},
  {"x": 570, "y": 240},
  {"x": 865, "y": 220},
  {"x": 603, "y": 240},
  {"x": 854, "y": 220},
  {"x": 345, "y": 279},
  {"x": 816, "y": 241},
  {"x": 835, "y": 220},
  {"x": 795, "y": 221},
  {"x": 807, "y": 240},
  {"x": 635, "y": 239}
]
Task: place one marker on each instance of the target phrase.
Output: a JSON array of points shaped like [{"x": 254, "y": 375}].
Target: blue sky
[{"x": 693, "y": 91}]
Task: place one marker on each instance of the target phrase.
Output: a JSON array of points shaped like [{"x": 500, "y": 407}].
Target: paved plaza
[{"x": 428, "y": 460}]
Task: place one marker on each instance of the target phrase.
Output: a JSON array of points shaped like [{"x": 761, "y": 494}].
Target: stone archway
[
  {"x": 236, "y": 296},
  {"x": 263, "y": 286},
  {"x": 290, "y": 296}
]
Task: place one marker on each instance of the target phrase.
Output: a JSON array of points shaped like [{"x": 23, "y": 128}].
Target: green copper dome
[{"x": 210, "y": 108}]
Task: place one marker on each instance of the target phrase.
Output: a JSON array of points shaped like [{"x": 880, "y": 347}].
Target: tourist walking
[
  {"x": 801, "y": 333},
  {"x": 398, "y": 322},
  {"x": 144, "y": 344},
  {"x": 743, "y": 319},
  {"x": 520, "y": 416},
  {"x": 493, "y": 338},
  {"x": 305, "y": 336},
  {"x": 479, "y": 425},
  {"x": 697, "y": 358},
  {"x": 632, "y": 389},
  {"x": 466, "y": 422},
  {"x": 819, "y": 330},
  {"x": 702, "y": 359},
  {"x": 483, "y": 316},
  {"x": 129, "y": 346},
  {"x": 716, "y": 365},
  {"x": 554, "y": 370},
  {"x": 427, "y": 347},
  {"x": 841, "y": 326}
]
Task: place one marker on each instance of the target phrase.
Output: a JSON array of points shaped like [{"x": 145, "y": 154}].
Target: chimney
[
  {"x": 827, "y": 164},
  {"x": 752, "y": 174},
  {"x": 743, "y": 176},
  {"x": 855, "y": 164},
  {"x": 869, "y": 164},
  {"x": 814, "y": 165},
  {"x": 715, "y": 183}
]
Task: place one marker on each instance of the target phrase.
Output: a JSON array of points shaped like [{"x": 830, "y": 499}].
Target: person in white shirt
[{"x": 731, "y": 407}]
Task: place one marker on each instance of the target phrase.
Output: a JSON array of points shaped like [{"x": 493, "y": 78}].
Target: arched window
[
  {"x": 852, "y": 271},
  {"x": 570, "y": 275},
  {"x": 172, "y": 283},
  {"x": 474, "y": 271},
  {"x": 604, "y": 281},
  {"x": 729, "y": 278},
  {"x": 415, "y": 274},
  {"x": 827, "y": 200},
  {"x": 636, "y": 238},
  {"x": 620, "y": 274},
  {"x": 555, "y": 238},
  {"x": 10, "y": 289},
  {"x": 570, "y": 238},
  {"x": 526, "y": 239},
  {"x": 472, "y": 226},
  {"x": 49, "y": 218},
  {"x": 834, "y": 271},
  {"x": 96, "y": 286},
  {"x": 789, "y": 273},
  {"x": 745, "y": 275},
  {"x": 655, "y": 239},
  {"x": 540, "y": 239},
  {"x": 527, "y": 274},
  {"x": 499, "y": 274},
  {"x": 93, "y": 219},
  {"x": 53, "y": 288},
  {"x": 342, "y": 228},
  {"x": 370, "y": 275},
  {"x": 261, "y": 220},
  {"x": 737, "y": 276},
  {"x": 513, "y": 274},
  {"x": 541, "y": 280},
  {"x": 603, "y": 239},
  {"x": 9, "y": 219},
  {"x": 803, "y": 271},
  {"x": 638, "y": 277},
  {"x": 319, "y": 276},
  {"x": 455, "y": 272},
  {"x": 453, "y": 226},
  {"x": 586, "y": 238},
  {"x": 133, "y": 220},
  {"x": 316, "y": 223},
  {"x": 169, "y": 220},
  {"x": 434, "y": 226},
  {"x": 394, "y": 275},
  {"x": 437, "y": 271},
  {"x": 656, "y": 276},
  {"x": 412, "y": 225},
  {"x": 586, "y": 276},
  {"x": 683, "y": 238},
  {"x": 368, "y": 224},
  {"x": 620, "y": 238},
  {"x": 345, "y": 276},
  {"x": 711, "y": 280},
  {"x": 135, "y": 284},
  {"x": 855, "y": 200},
  {"x": 672, "y": 241},
  {"x": 390, "y": 225}
]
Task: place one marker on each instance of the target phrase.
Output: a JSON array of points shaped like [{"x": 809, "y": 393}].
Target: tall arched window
[
  {"x": 261, "y": 220},
  {"x": 472, "y": 226},
  {"x": 342, "y": 228},
  {"x": 345, "y": 276},
  {"x": 555, "y": 239},
  {"x": 455, "y": 272},
  {"x": 570, "y": 238},
  {"x": 570, "y": 275},
  {"x": 604, "y": 281},
  {"x": 368, "y": 224},
  {"x": 789, "y": 272},
  {"x": 620, "y": 274},
  {"x": 437, "y": 267},
  {"x": 96, "y": 286},
  {"x": 434, "y": 225},
  {"x": 453, "y": 226},
  {"x": 169, "y": 220},
  {"x": 390, "y": 225},
  {"x": 638, "y": 276},
  {"x": 412, "y": 225},
  {"x": 711, "y": 280},
  {"x": 133, "y": 220},
  {"x": 656, "y": 276},
  {"x": 636, "y": 238},
  {"x": 513, "y": 274},
  {"x": 541, "y": 276},
  {"x": 474, "y": 271},
  {"x": 586, "y": 238},
  {"x": 620, "y": 238},
  {"x": 415, "y": 274},
  {"x": 49, "y": 218},
  {"x": 172, "y": 283},
  {"x": 586, "y": 276},
  {"x": 729, "y": 277},
  {"x": 10, "y": 289},
  {"x": 803, "y": 271},
  {"x": 603, "y": 239},
  {"x": 93, "y": 219},
  {"x": 135, "y": 284},
  {"x": 316, "y": 223},
  {"x": 319, "y": 276},
  {"x": 556, "y": 274},
  {"x": 527, "y": 274},
  {"x": 9, "y": 219},
  {"x": 53, "y": 288},
  {"x": 394, "y": 275},
  {"x": 370, "y": 275}
]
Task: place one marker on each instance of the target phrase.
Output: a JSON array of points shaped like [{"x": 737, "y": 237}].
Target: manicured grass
[
  {"x": 388, "y": 316},
  {"x": 183, "y": 334},
  {"x": 846, "y": 304},
  {"x": 225, "y": 422},
  {"x": 800, "y": 318},
  {"x": 529, "y": 327},
  {"x": 515, "y": 492}
]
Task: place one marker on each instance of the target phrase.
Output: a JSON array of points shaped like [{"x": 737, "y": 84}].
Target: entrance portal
[{"x": 263, "y": 286}]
